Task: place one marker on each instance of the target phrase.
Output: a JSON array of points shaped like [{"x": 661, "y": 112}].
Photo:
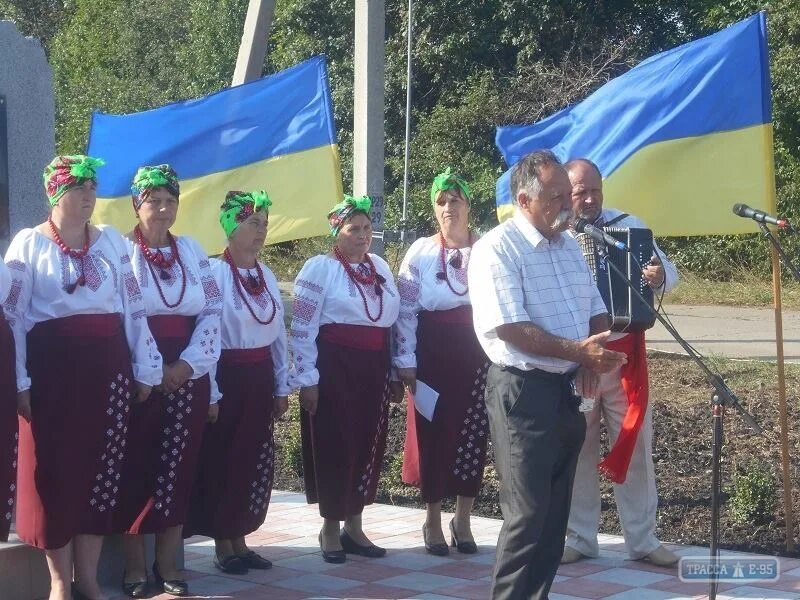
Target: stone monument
[{"x": 27, "y": 131}]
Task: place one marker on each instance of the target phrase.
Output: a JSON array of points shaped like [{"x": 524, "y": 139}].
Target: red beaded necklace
[
  {"x": 79, "y": 254},
  {"x": 252, "y": 289},
  {"x": 455, "y": 262},
  {"x": 163, "y": 263},
  {"x": 372, "y": 277}
]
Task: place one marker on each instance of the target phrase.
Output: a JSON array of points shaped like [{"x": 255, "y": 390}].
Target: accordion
[{"x": 627, "y": 311}]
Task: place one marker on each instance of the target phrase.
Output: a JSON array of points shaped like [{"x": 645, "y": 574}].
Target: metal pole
[{"x": 253, "y": 47}]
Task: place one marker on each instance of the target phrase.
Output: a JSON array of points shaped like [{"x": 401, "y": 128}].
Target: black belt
[{"x": 541, "y": 373}]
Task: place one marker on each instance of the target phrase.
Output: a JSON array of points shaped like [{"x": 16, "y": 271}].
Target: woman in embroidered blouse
[
  {"x": 234, "y": 479},
  {"x": 435, "y": 343},
  {"x": 83, "y": 354},
  {"x": 345, "y": 303},
  {"x": 8, "y": 413},
  {"x": 183, "y": 309}
]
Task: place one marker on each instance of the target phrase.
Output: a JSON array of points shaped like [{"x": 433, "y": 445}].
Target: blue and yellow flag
[
  {"x": 679, "y": 138},
  {"x": 276, "y": 134}
]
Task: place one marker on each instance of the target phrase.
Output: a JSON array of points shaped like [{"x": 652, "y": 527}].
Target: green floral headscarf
[
  {"x": 449, "y": 181},
  {"x": 66, "y": 172},
  {"x": 149, "y": 178},
  {"x": 345, "y": 209},
  {"x": 238, "y": 206}
]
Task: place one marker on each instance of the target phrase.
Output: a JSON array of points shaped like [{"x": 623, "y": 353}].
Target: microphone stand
[
  {"x": 787, "y": 262},
  {"x": 722, "y": 396}
]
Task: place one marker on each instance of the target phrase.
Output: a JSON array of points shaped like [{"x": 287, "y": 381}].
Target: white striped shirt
[{"x": 532, "y": 279}]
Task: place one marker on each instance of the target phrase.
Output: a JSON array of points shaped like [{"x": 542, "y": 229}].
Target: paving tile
[
  {"x": 632, "y": 577},
  {"x": 421, "y": 581},
  {"x": 317, "y": 583},
  {"x": 414, "y": 561},
  {"x": 211, "y": 585},
  {"x": 586, "y": 588},
  {"x": 289, "y": 539},
  {"x": 310, "y": 563},
  {"x": 379, "y": 592},
  {"x": 644, "y": 594},
  {"x": 474, "y": 590},
  {"x": 756, "y": 592},
  {"x": 366, "y": 572},
  {"x": 462, "y": 569}
]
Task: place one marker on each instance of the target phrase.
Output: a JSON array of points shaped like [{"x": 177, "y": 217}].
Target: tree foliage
[{"x": 476, "y": 65}]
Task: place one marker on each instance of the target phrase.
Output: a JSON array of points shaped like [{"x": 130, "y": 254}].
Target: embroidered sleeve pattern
[
  {"x": 309, "y": 295},
  {"x": 16, "y": 305},
  {"x": 147, "y": 361},
  {"x": 405, "y": 328},
  {"x": 204, "y": 347}
]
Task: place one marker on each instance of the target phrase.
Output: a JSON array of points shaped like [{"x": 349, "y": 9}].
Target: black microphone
[
  {"x": 761, "y": 217},
  {"x": 582, "y": 226}
]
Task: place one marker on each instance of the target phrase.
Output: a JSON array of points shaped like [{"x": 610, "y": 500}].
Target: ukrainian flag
[
  {"x": 679, "y": 138},
  {"x": 276, "y": 133}
]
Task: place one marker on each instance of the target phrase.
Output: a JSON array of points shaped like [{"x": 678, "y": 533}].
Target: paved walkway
[
  {"x": 735, "y": 332},
  {"x": 289, "y": 539}
]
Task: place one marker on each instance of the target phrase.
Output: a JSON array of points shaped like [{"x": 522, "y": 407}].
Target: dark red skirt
[
  {"x": 445, "y": 457},
  {"x": 164, "y": 437},
  {"x": 70, "y": 454},
  {"x": 344, "y": 442},
  {"x": 234, "y": 477},
  {"x": 8, "y": 427}
]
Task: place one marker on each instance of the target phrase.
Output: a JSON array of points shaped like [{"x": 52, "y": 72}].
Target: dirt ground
[{"x": 680, "y": 398}]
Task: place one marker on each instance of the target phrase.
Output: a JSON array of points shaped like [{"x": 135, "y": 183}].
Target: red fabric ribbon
[{"x": 636, "y": 385}]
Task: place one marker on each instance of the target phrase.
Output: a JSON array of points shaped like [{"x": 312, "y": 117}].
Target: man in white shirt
[
  {"x": 635, "y": 486},
  {"x": 539, "y": 317}
]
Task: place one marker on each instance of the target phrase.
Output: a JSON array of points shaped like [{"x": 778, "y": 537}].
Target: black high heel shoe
[
  {"x": 332, "y": 556},
  {"x": 439, "y": 549},
  {"x": 134, "y": 589},
  {"x": 351, "y": 547},
  {"x": 175, "y": 587},
  {"x": 463, "y": 547}
]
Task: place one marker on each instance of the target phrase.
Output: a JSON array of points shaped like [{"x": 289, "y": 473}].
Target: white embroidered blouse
[
  {"x": 323, "y": 294},
  {"x": 240, "y": 330},
  {"x": 40, "y": 272},
  {"x": 202, "y": 298},
  {"x": 422, "y": 288}
]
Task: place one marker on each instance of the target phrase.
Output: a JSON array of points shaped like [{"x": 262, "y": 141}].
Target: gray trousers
[{"x": 537, "y": 433}]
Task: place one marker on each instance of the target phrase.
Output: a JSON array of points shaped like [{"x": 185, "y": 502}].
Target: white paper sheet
[{"x": 425, "y": 400}]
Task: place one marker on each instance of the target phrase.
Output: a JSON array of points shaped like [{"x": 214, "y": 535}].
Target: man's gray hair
[
  {"x": 569, "y": 164},
  {"x": 525, "y": 174}
]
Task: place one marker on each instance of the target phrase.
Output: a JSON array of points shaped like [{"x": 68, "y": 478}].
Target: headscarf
[
  {"x": 345, "y": 209},
  {"x": 66, "y": 172},
  {"x": 449, "y": 181},
  {"x": 238, "y": 206},
  {"x": 149, "y": 178}
]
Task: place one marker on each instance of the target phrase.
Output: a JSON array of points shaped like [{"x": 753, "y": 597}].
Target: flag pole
[{"x": 782, "y": 407}]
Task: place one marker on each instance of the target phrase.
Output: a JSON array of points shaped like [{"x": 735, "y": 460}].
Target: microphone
[
  {"x": 760, "y": 216},
  {"x": 582, "y": 226}
]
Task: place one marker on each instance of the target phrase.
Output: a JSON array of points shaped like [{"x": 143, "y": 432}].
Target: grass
[{"x": 746, "y": 290}]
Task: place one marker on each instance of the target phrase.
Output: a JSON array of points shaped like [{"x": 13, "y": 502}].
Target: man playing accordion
[{"x": 621, "y": 399}]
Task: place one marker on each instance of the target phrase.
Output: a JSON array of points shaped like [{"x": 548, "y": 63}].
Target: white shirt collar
[{"x": 532, "y": 234}]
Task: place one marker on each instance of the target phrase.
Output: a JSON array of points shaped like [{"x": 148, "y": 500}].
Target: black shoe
[
  {"x": 463, "y": 547},
  {"x": 253, "y": 561},
  {"x": 230, "y": 564},
  {"x": 174, "y": 587},
  {"x": 334, "y": 556},
  {"x": 134, "y": 589},
  {"x": 350, "y": 547},
  {"x": 439, "y": 549}
]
